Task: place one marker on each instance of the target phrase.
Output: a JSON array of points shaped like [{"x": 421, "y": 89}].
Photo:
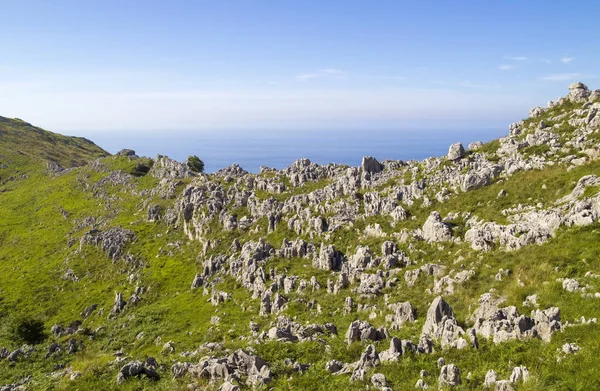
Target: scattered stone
[{"x": 449, "y": 376}]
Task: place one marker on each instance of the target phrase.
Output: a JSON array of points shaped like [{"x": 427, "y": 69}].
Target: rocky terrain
[{"x": 475, "y": 270}]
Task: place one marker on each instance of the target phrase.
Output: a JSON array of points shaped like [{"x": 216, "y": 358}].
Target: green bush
[
  {"x": 26, "y": 329},
  {"x": 195, "y": 164}
]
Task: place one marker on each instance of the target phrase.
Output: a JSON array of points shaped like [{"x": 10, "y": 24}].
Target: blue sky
[{"x": 111, "y": 66}]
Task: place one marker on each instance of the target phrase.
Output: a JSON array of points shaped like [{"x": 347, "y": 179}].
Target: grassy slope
[
  {"x": 25, "y": 148},
  {"x": 34, "y": 255}
]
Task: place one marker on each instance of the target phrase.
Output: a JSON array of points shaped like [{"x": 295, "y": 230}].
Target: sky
[{"x": 108, "y": 67}]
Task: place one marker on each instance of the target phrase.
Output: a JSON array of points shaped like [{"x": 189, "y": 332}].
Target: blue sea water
[{"x": 219, "y": 149}]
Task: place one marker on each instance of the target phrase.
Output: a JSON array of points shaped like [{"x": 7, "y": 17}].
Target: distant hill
[{"x": 23, "y": 145}]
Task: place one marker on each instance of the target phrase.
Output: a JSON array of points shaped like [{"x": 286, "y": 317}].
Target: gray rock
[
  {"x": 578, "y": 92},
  {"x": 361, "y": 331},
  {"x": 394, "y": 352},
  {"x": 475, "y": 180},
  {"x": 571, "y": 285},
  {"x": 154, "y": 213},
  {"x": 228, "y": 386},
  {"x": 371, "y": 165},
  {"x": 434, "y": 230},
  {"x": 368, "y": 360},
  {"x": 519, "y": 374},
  {"x": 334, "y": 366},
  {"x": 113, "y": 241},
  {"x": 449, "y": 376},
  {"x": 536, "y": 112},
  {"x": 403, "y": 312},
  {"x": 119, "y": 303},
  {"x": 126, "y": 152},
  {"x": 504, "y": 385},
  {"x": 475, "y": 145},
  {"x": 329, "y": 258},
  {"x": 490, "y": 379},
  {"x": 370, "y": 284},
  {"x": 197, "y": 282},
  {"x": 136, "y": 369},
  {"x": 379, "y": 381},
  {"x": 456, "y": 151},
  {"x": 570, "y": 348}
]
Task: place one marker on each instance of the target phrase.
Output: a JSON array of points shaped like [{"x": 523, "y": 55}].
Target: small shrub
[
  {"x": 195, "y": 164},
  {"x": 26, "y": 329}
]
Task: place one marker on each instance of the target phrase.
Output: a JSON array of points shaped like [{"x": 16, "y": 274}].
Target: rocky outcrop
[
  {"x": 368, "y": 360},
  {"x": 503, "y": 324},
  {"x": 362, "y": 331},
  {"x": 289, "y": 331},
  {"x": 112, "y": 241},
  {"x": 138, "y": 369},
  {"x": 449, "y": 376},
  {"x": 456, "y": 151},
  {"x": 329, "y": 258},
  {"x": 165, "y": 168},
  {"x": 441, "y": 324},
  {"x": 403, "y": 313},
  {"x": 435, "y": 230},
  {"x": 239, "y": 366},
  {"x": 371, "y": 165}
]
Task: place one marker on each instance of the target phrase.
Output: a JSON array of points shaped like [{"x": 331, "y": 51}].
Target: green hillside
[
  {"x": 211, "y": 263},
  {"x": 25, "y": 148}
]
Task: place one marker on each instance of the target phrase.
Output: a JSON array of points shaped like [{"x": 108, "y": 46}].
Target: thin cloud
[
  {"x": 469, "y": 84},
  {"x": 561, "y": 76},
  {"x": 329, "y": 72},
  {"x": 566, "y": 60},
  {"x": 521, "y": 58},
  {"x": 385, "y": 77},
  {"x": 507, "y": 67}
]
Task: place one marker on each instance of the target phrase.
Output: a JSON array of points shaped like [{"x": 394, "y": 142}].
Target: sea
[{"x": 253, "y": 149}]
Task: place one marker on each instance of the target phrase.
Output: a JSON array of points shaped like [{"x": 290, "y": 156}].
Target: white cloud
[
  {"x": 507, "y": 67},
  {"x": 516, "y": 58},
  {"x": 561, "y": 76},
  {"x": 566, "y": 60},
  {"x": 329, "y": 72}
]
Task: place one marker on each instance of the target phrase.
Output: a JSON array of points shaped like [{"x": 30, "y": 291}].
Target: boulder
[
  {"x": 379, "y": 381},
  {"x": 368, "y": 360},
  {"x": 361, "y": 331},
  {"x": 435, "y": 230},
  {"x": 441, "y": 324},
  {"x": 136, "y": 369},
  {"x": 371, "y": 165},
  {"x": 475, "y": 145},
  {"x": 578, "y": 92},
  {"x": 456, "y": 151},
  {"x": 403, "y": 312},
  {"x": 449, "y": 376},
  {"x": 329, "y": 258}
]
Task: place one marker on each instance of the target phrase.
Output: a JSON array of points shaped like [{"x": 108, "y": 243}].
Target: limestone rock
[
  {"x": 456, "y": 151},
  {"x": 371, "y": 165},
  {"x": 434, "y": 230},
  {"x": 449, "y": 376},
  {"x": 136, "y": 369}
]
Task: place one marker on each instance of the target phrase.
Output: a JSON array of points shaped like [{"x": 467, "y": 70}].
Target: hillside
[
  {"x": 479, "y": 268},
  {"x": 25, "y": 148}
]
